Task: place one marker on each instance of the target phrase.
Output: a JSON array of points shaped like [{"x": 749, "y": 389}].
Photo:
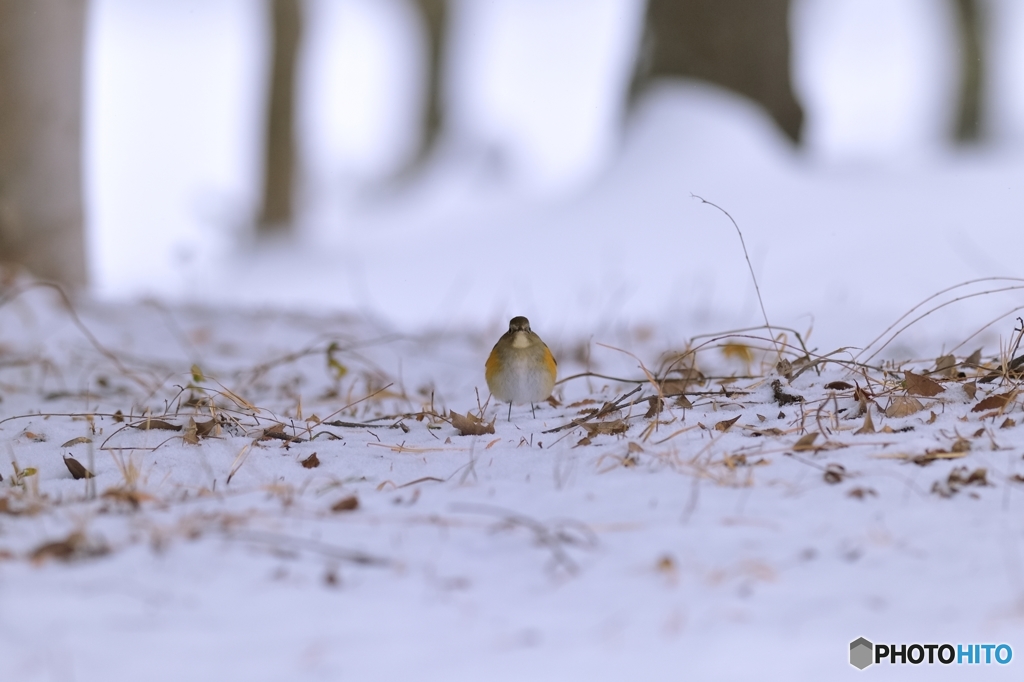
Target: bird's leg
[
  {"x": 534, "y": 408},
  {"x": 510, "y": 411}
]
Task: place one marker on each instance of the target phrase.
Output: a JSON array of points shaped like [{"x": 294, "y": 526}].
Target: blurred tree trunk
[
  {"x": 972, "y": 71},
  {"x": 737, "y": 44},
  {"x": 41, "y": 223},
  {"x": 280, "y": 156},
  {"x": 435, "y": 15}
]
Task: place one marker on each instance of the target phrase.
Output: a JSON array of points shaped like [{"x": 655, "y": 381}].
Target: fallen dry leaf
[
  {"x": 995, "y": 402},
  {"x": 783, "y": 398},
  {"x": 656, "y": 406},
  {"x": 861, "y": 493},
  {"x": 683, "y": 402},
  {"x": 149, "y": 424},
  {"x": 959, "y": 478},
  {"x": 75, "y": 546},
  {"x": 725, "y": 424},
  {"x": 970, "y": 389},
  {"x": 738, "y": 351},
  {"x": 903, "y": 406},
  {"x": 921, "y": 385},
  {"x": 131, "y": 497},
  {"x": 470, "y": 424},
  {"x": 931, "y": 456},
  {"x": 834, "y": 473},
  {"x": 350, "y": 503},
  {"x": 869, "y": 426},
  {"x": 806, "y": 442},
  {"x": 609, "y": 428},
  {"x": 946, "y": 365},
  {"x": 962, "y": 444},
  {"x": 190, "y": 436},
  {"x": 76, "y": 441},
  {"x": 310, "y": 462},
  {"x": 838, "y": 386},
  {"x": 207, "y": 428},
  {"x": 77, "y": 470}
]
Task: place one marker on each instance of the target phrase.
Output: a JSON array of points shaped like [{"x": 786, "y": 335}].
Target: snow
[
  {"x": 685, "y": 550},
  {"x": 521, "y": 553}
]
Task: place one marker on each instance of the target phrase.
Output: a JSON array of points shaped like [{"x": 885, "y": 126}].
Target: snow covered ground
[{"x": 301, "y": 507}]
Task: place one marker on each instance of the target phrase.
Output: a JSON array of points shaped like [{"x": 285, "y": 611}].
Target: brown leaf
[
  {"x": 74, "y": 546},
  {"x": 148, "y": 424},
  {"x": 190, "y": 437},
  {"x": 206, "y": 429},
  {"x": 675, "y": 386},
  {"x": 683, "y": 402},
  {"x": 974, "y": 358},
  {"x": 903, "y": 406},
  {"x": 350, "y": 503},
  {"x": 978, "y": 477},
  {"x": 606, "y": 428},
  {"x": 959, "y": 478},
  {"x": 666, "y": 564},
  {"x": 77, "y": 470},
  {"x": 834, "y": 473},
  {"x": 921, "y": 385},
  {"x": 119, "y": 416},
  {"x": 781, "y": 397},
  {"x": 724, "y": 425},
  {"x": 806, "y": 442},
  {"x": 971, "y": 389},
  {"x": 869, "y": 426},
  {"x": 128, "y": 496},
  {"x": 1008, "y": 423},
  {"x": 994, "y": 402},
  {"x": 277, "y": 432},
  {"x": 962, "y": 444},
  {"x": 310, "y": 462},
  {"x": 838, "y": 386},
  {"x": 933, "y": 455},
  {"x": 946, "y": 365},
  {"x": 733, "y": 461},
  {"x": 861, "y": 493},
  {"x": 656, "y": 406},
  {"x": 5, "y": 507},
  {"x": 470, "y": 424},
  {"x": 76, "y": 441}
]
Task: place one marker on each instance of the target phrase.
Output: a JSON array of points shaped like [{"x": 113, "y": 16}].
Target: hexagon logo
[{"x": 861, "y": 653}]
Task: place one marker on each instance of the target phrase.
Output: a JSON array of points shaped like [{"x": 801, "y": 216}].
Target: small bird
[{"x": 520, "y": 368}]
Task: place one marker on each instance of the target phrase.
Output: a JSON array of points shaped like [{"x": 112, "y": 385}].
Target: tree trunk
[
  {"x": 435, "y": 14},
  {"x": 41, "y": 224},
  {"x": 738, "y": 44},
  {"x": 279, "y": 162},
  {"x": 972, "y": 71}
]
